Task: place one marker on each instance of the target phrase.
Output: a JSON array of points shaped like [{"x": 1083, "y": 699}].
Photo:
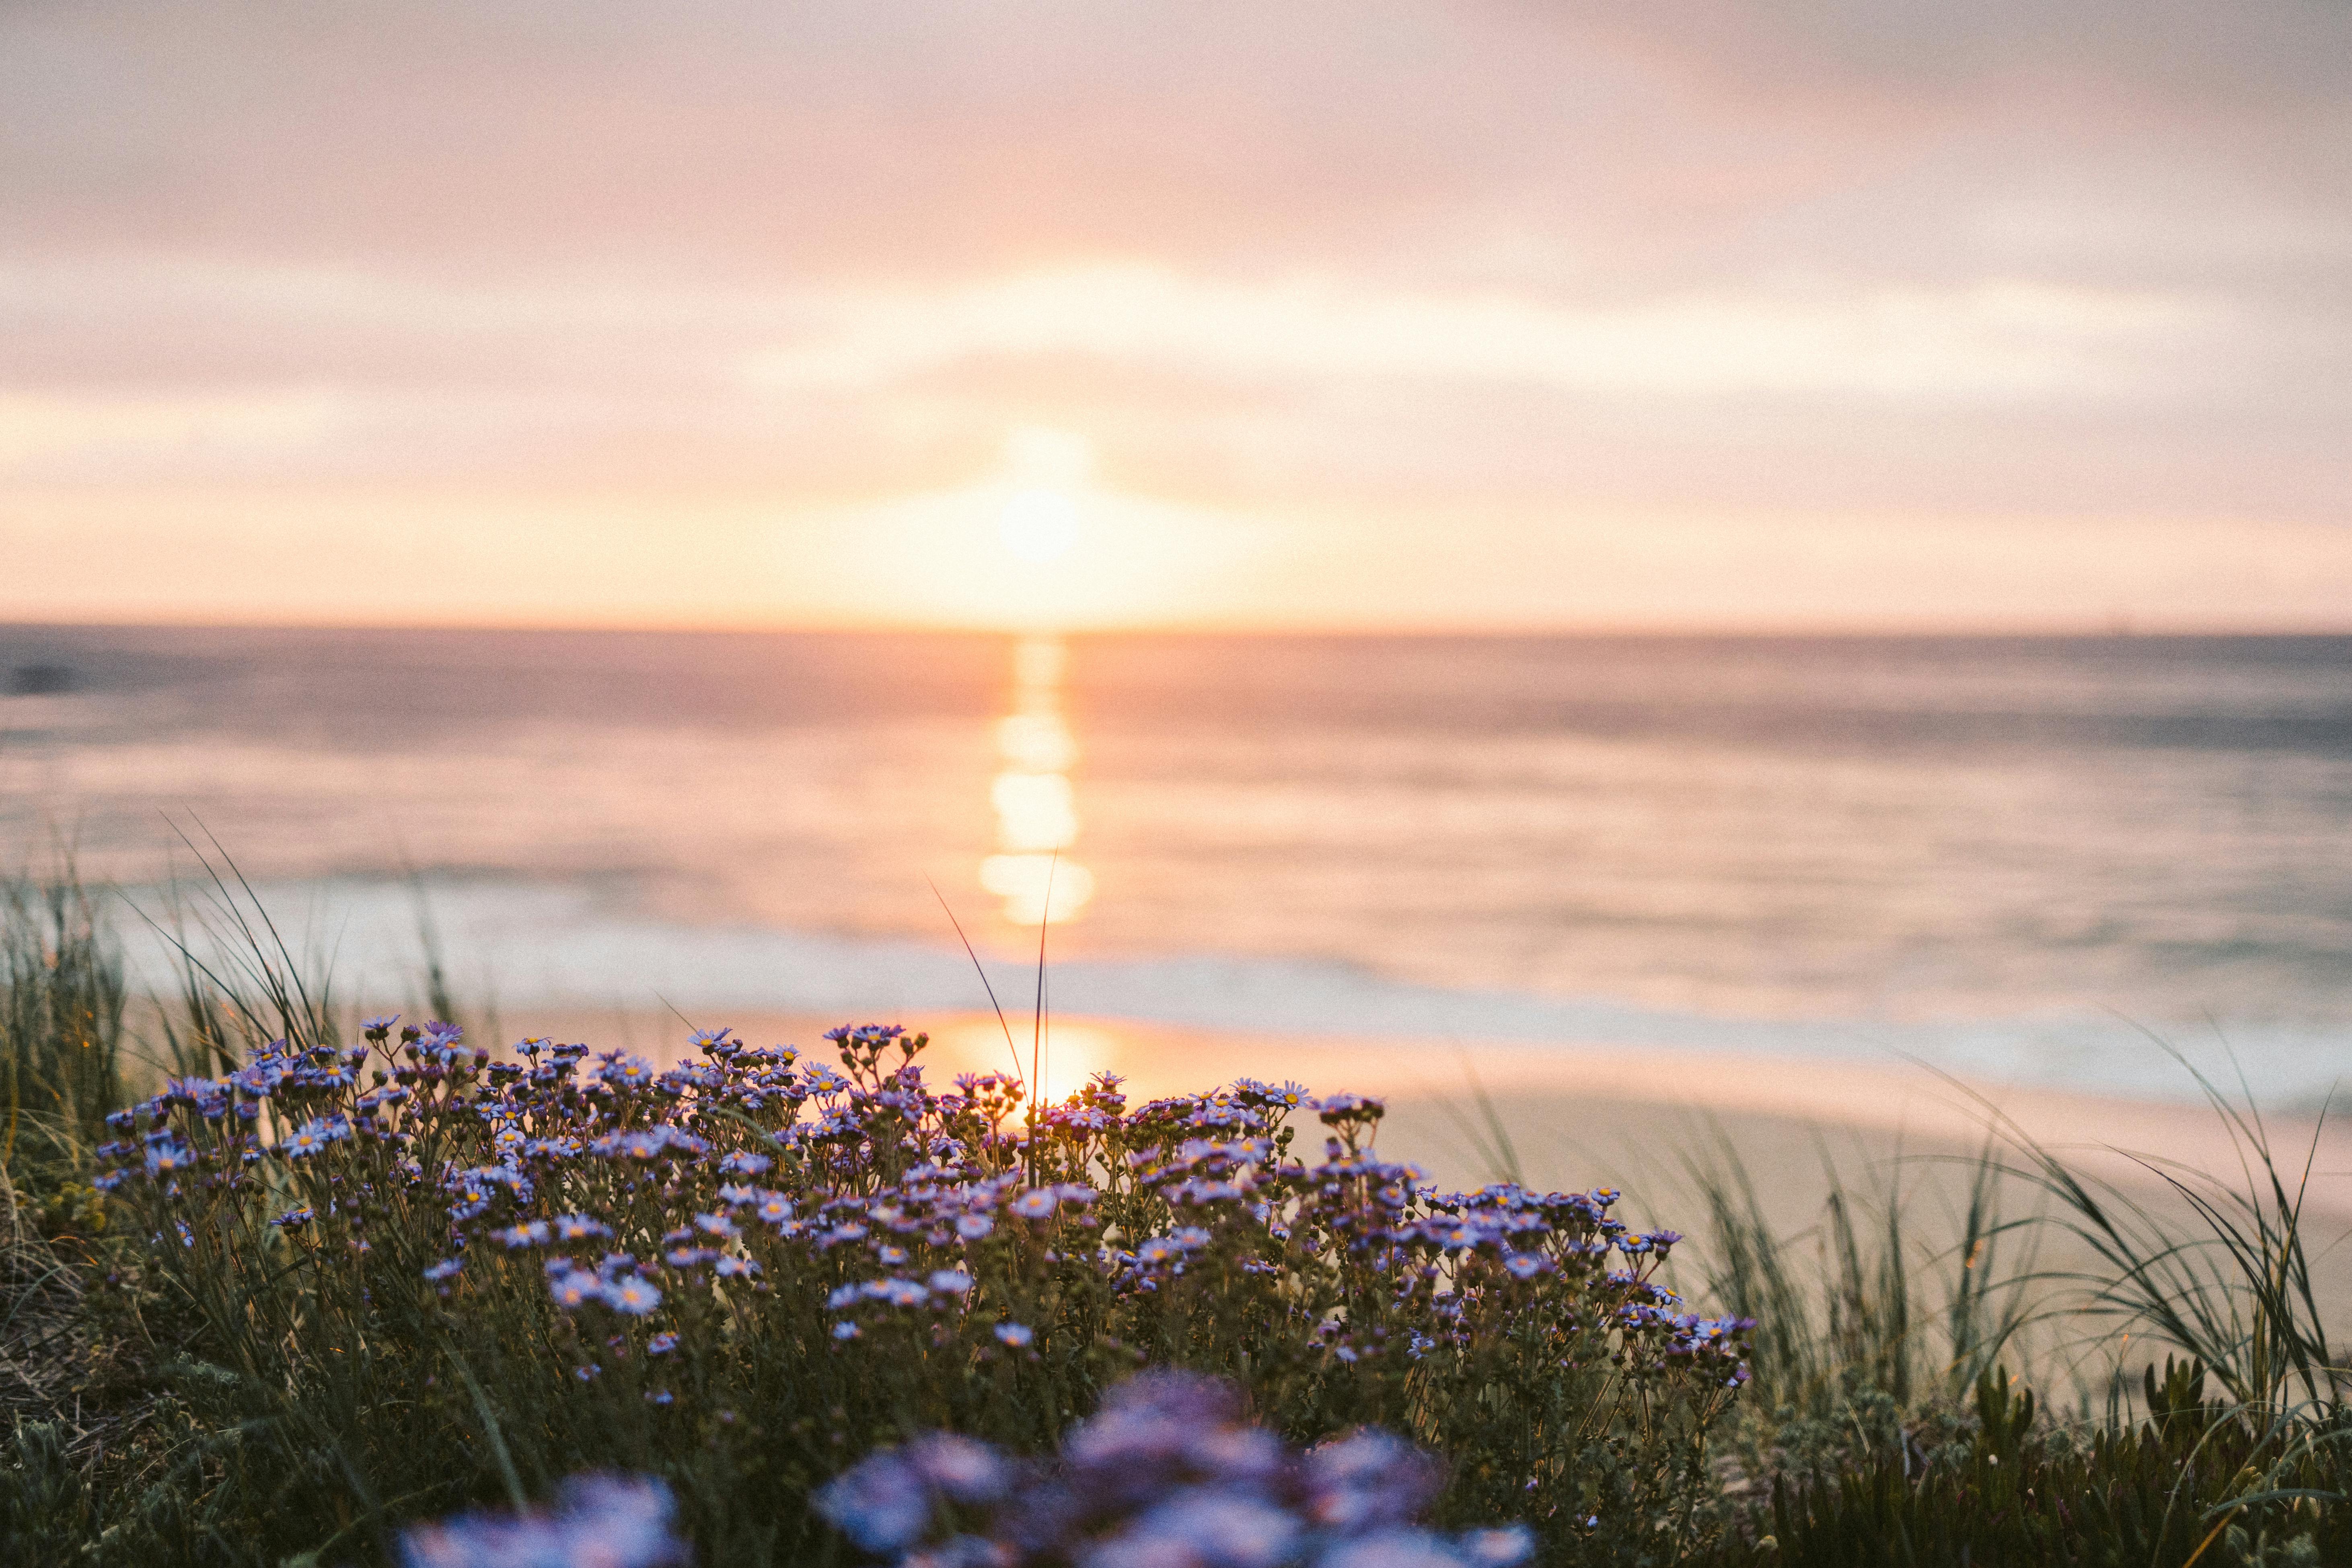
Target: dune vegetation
[{"x": 284, "y": 1285}]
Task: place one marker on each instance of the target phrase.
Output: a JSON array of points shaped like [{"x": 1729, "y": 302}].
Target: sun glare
[{"x": 1039, "y": 526}]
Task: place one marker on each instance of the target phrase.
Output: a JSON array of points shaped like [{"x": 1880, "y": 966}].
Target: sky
[{"x": 1819, "y": 313}]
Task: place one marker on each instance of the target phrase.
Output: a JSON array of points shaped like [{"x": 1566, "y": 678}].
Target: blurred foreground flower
[
  {"x": 598, "y": 1521},
  {"x": 1166, "y": 1476}
]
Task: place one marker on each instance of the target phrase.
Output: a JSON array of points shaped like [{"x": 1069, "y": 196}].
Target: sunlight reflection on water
[{"x": 1036, "y": 810}]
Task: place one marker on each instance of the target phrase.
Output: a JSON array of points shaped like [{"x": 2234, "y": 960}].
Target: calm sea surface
[{"x": 2018, "y": 857}]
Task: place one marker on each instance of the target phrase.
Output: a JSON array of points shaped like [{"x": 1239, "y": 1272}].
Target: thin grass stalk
[{"x": 2238, "y": 1297}]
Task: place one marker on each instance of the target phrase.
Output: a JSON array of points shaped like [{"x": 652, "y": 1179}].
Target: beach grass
[{"x": 290, "y": 1358}]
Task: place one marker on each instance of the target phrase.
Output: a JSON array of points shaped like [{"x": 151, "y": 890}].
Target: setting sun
[{"x": 1039, "y": 526}]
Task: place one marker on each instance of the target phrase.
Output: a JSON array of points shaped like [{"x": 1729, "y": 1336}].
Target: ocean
[{"x": 2045, "y": 860}]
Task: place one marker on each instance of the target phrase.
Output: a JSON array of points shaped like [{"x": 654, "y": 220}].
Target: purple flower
[
  {"x": 574, "y": 1288},
  {"x": 882, "y": 1504},
  {"x": 964, "y": 1469},
  {"x": 598, "y": 1521},
  {"x": 312, "y": 1136},
  {"x": 1392, "y": 1548},
  {"x": 1165, "y": 1475},
  {"x": 1370, "y": 1479},
  {"x": 1337, "y": 1108},
  {"x": 259, "y": 1079},
  {"x": 628, "y": 1072},
  {"x": 1505, "y": 1548},
  {"x": 661, "y": 1343},
  {"x": 189, "y": 1090},
  {"x": 632, "y": 1295},
  {"x": 1148, "y": 1423},
  {"x": 445, "y": 1269},
  {"x": 1213, "y": 1527},
  {"x": 1017, "y": 1335},
  {"x": 901, "y": 1293}
]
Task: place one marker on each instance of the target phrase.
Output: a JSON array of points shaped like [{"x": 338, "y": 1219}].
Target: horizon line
[{"x": 2116, "y": 628}]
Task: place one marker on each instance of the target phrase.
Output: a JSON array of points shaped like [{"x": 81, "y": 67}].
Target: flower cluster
[
  {"x": 1165, "y": 1473},
  {"x": 598, "y": 1521},
  {"x": 691, "y": 1237}
]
